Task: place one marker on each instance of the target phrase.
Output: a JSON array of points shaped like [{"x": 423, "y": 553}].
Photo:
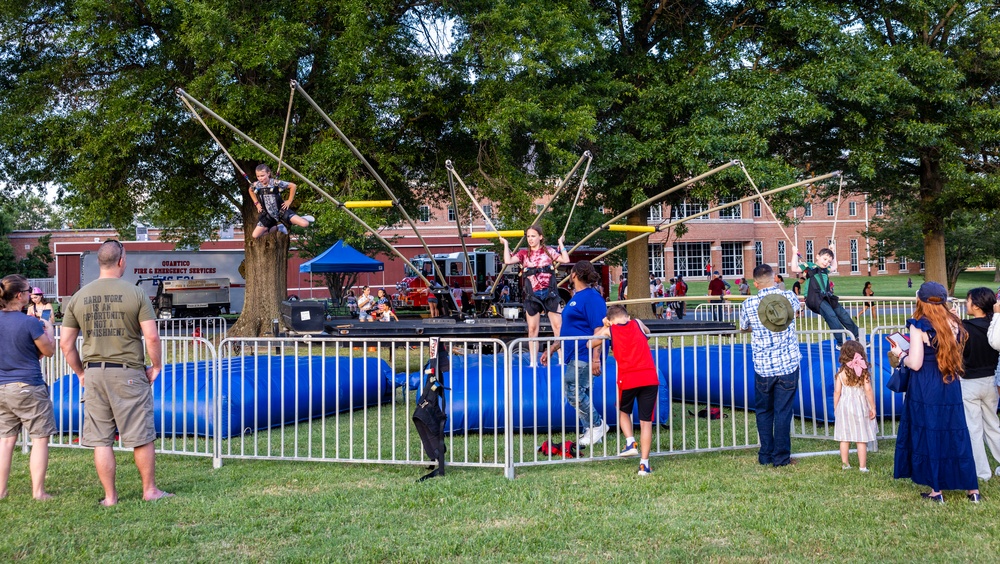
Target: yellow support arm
[
  {"x": 495, "y": 234},
  {"x": 369, "y": 204},
  {"x": 633, "y": 228}
]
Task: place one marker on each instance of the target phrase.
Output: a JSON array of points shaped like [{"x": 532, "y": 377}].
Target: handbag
[{"x": 899, "y": 380}]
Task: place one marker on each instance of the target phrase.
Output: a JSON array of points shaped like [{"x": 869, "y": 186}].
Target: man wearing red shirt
[{"x": 716, "y": 288}]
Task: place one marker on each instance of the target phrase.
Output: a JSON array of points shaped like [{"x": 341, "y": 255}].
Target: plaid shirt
[{"x": 774, "y": 354}]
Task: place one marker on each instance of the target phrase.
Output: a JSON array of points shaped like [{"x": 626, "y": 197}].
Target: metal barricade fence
[
  {"x": 183, "y": 403},
  {"x": 705, "y": 379},
  {"x": 352, "y": 400},
  {"x": 212, "y": 328}
]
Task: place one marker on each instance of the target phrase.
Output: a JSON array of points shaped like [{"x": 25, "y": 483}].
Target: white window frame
[
  {"x": 852, "y": 209},
  {"x": 695, "y": 261},
  {"x": 732, "y": 259},
  {"x": 807, "y": 210},
  {"x": 687, "y": 208},
  {"x": 425, "y": 213},
  {"x": 782, "y": 260},
  {"x": 451, "y": 213},
  {"x": 656, "y": 264},
  {"x": 855, "y": 267},
  {"x": 655, "y": 214},
  {"x": 758, "y": 253},
  {"x": 733, "y": 212},
  {"x": 810, "y": 251},
  {"x": 831, "y": 209}
]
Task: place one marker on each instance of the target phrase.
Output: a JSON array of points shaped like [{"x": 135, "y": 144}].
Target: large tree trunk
[
  {"x": 638, "y": 269},
  {"x": 266, "y": 265},
  {"x": 931, "y": 186}
]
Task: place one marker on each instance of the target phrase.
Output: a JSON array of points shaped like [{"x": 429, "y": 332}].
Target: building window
[
  {"x": 732, "y": 259},
  {"x": 655, "y": 214},
  {"x": 782, "y": 261},
  {"x": 687, "y": 209},
  {"x": 425, "y": 213},
  {"x": 852, "y": 208},
  {"x": 758, "y": 253},
  {"x": 451, "y": 213},
  {"x": 810, "y": 255},
  {"x": 732, "y": 212},
  {"x": 881, "y": 256},
  {"x": 656, "y": 260},
  {"x": 878, "y": 208},
  {"x": 902, "y": 264},
  {"x": 690, "y": 258},
  {"x": 808, "y": 210},
  {"x": 756, "y": 209},
  {"x": 540, "y": 207},
  {"x": 488, "y": 211},
  {"x": 831, "y": 209},
  {"x": 854, "y": 255}
]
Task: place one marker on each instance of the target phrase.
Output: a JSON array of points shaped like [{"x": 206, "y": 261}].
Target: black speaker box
[{"x": 303, "y": 317}]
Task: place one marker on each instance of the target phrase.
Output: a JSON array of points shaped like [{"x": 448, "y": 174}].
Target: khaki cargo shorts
[
  {"x": 28, "y": 406},
  {"x": 117, "y": 398}
]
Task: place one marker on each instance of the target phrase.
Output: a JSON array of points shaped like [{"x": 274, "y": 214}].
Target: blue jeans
[
  {"x": 576, "y": 385},
  {"x": 773, "y": 400},
  {"x": 838, "y": 319}
]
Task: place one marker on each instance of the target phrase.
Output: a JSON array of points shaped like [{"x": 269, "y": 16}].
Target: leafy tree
[
  {"x": 902, "y": 95},
  {"x": 36, "y": 263},
  {"x": 90, "y": 104},
  {"x": 970, "y": 239},
  {"x": 8, "y": 261},
  {"x": 31, "y": 212}
]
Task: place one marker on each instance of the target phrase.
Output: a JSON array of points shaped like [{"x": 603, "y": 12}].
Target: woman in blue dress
[{"x": 933, "y": 447}]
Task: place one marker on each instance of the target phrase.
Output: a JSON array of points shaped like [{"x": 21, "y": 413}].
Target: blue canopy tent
[{"x": 341, "y": 257}]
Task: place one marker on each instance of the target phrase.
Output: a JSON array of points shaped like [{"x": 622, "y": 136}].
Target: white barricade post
[{"x": 352, "y": 400}]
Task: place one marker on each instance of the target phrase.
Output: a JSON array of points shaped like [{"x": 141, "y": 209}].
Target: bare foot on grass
[
  {"x": 43, "y": 496},
  {"x": 158, "y": 494}
]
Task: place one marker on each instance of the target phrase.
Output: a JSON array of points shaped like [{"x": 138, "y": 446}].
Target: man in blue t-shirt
[{"x": 581, "y": 317}]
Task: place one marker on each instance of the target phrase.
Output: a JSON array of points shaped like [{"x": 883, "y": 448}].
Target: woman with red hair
[{"x": 933, "y": 446}]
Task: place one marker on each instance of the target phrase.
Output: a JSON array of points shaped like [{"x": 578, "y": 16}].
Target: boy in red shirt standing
[{"x": 637, "y": 379}]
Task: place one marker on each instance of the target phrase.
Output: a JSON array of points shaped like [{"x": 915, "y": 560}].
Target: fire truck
[{"x": 412, "y": 291}]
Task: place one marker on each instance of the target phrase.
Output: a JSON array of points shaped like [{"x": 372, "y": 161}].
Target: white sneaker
[
  {"x": 309, "y": 218},
  {"x": 282, "y": 229},
  {"x": 593, "y": 435}
]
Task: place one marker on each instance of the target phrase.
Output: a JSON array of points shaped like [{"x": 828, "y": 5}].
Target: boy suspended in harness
[
  {"x": 273, "y": 211},
  {"x": 819, "y": 293}
]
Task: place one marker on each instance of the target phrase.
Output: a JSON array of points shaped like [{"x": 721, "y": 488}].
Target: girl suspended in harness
[
  {"x": 538, "y": 264},
  {"x": 266, "y": 196}
]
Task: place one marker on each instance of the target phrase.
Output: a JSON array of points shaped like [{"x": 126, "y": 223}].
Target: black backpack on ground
[{"x": 429, "y": 417}]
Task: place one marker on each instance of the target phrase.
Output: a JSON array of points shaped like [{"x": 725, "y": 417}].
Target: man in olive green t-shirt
[{"x": 114, "y": 317}]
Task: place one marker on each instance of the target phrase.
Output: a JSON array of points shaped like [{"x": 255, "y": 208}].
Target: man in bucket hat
[{"x": 770, "y": 316}]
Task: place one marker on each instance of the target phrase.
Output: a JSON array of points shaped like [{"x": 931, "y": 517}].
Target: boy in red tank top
[{"x": 637, "y": 379}]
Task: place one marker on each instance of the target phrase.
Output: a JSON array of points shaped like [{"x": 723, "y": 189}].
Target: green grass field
[{"x": 716, "y": 506}]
